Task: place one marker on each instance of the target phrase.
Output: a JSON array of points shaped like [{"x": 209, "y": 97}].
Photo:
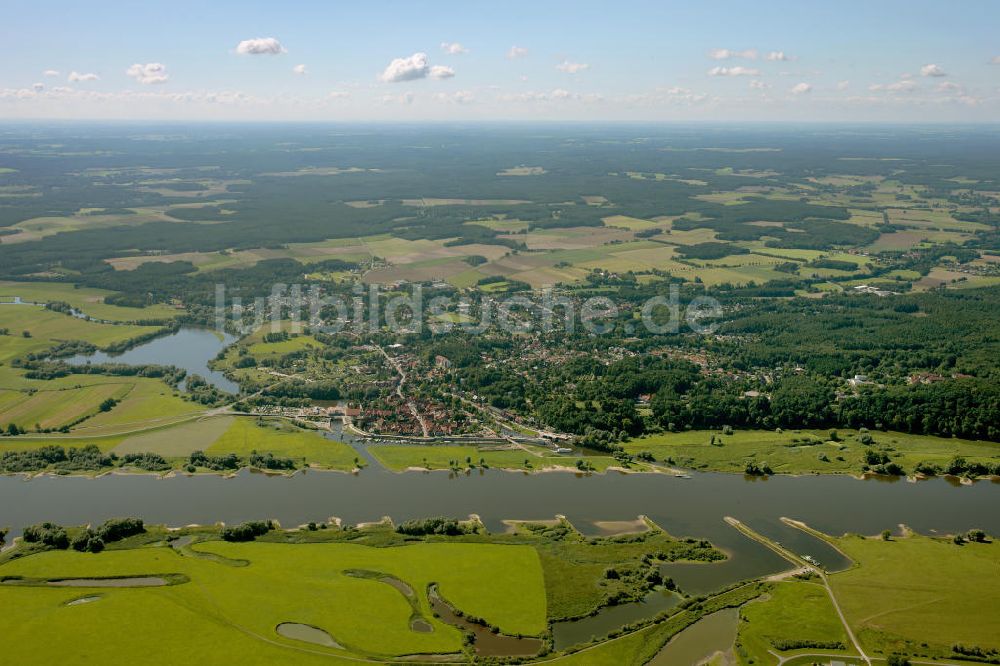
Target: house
[
  {"x": 442, "y": 362},
  {"x": 924, "y": 378},
  {"x": 859, "y": 380}
]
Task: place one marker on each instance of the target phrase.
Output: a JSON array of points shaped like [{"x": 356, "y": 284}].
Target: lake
[{"x": 189, "y": 348}]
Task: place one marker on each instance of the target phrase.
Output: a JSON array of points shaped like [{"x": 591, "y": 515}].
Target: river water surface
[{"x": 684, "y": 507}]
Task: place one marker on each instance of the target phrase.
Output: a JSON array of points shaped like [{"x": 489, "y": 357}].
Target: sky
[{"x": 628, "y": 60}]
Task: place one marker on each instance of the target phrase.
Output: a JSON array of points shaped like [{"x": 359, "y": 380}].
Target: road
[
  {"x": 399, "y": 391},
  {"x": 801, "y": 563}
]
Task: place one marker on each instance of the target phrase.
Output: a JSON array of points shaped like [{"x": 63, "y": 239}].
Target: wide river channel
[{"x": 684, "y": 507}]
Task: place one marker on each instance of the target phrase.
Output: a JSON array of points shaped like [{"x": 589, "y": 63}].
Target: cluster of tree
[
  {"x": 797, "y": 644},
  {"x": 296, "y": 388},
  {"x": 976, "y": 653},
  {"x": 247, "y": 531},
  {"x": 62, "y": 350},
  {"x": 230, "y": 461},
  {"x": 879, "y": 462},
  {"x": 834, "y": 264},
  {"x": 963, "y": 408},
  {"x": 86, "y": 458},
  {"x": 93, "y": 540},
  {"x": 199, "y": 390},
  {"x": 269, "y": 461},
  {"x": 276, "y": 336},
  {"x": 47, "y": 534},
  {"x": 710, "y": 250},
  {"x": 172, "y": 375},
  {"x": 125, "y": 345},
  {"x": 426, "y": 526},
  {"x": 152, "y": 462},
  {"x": 13, "y": 430},
  {"x": 754, "y": 468},
  {"x": 958, "y": 466}
]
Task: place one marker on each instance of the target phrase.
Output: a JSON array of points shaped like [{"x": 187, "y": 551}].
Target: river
[{"x": 684, "y": 507}]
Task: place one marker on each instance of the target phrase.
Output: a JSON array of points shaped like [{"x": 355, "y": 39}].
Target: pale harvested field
[
  {"x": 571, "y": 238},
  {"x": 522, "y": 171},
  {"x": 425, "y": 271},
  {"x": 180, "y": 440},
  {"x": 429, "y": 201}
]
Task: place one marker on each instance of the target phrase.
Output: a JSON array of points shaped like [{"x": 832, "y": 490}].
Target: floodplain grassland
[
  {"x": 56, "y": 409},
  {"x": 87, "y": 300},
  {"x": 45, "y": 328},
  {"x": 920, "y": 595},
  {"x": 231, "y": 611},
  {"x": 805, "y": 451},
  {"x": 448, "y": 456},
  {"x": 245, "y": 435},
  {"x": 795, "y": 616},
  {"x": 139, "y": 402},
  {"x": 639, "y": 647}
]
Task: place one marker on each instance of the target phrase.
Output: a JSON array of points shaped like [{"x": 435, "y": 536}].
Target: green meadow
[
  {"x": 229, "y": 613},
  {"x": 804, "y": 451},
  {"x": 446, "y": 456}
]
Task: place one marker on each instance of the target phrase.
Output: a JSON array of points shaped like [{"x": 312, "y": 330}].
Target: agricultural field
[
  {"x": 57, "y": 409},
  {"x": 75, "y": 401},
  {"x": 177, "y": 441}
]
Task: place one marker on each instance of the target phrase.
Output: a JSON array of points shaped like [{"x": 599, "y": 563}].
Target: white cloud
[
  {"x": 406, "y": 69},
  {"x": 932, "y": 70},
  {"x": 517, "y": 52},
  {"x": 405, "y": 98},
  {"x": 150, "y": 73},
  {"x": 260, "y": 46},
  {"x": 948, "y": 86},
  {"x": 757, "y": 84},
  {"x": 441, "y": 72},
  {"x": 777, "y": 55},
  {"x": 726, "y": 54},
  {"x": 897, "y": 87},
  {"x": 299, "y": 69},
  {"x": 453, "y": 48},
  {"x": 339, "y": 94},
  {"x": 733, "y": 71},
  {"x": 801, "y": 88},
  {"x": 995, "y": 60},
  {"x": 50, "y": 72},
  {"x": 75, "y": 76},
  {"x": 460, "y": 97},
  {"x": 38, "y": 87},
  {"x": 572, "y": 67},
  {"x": 843, "y": 85}
]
